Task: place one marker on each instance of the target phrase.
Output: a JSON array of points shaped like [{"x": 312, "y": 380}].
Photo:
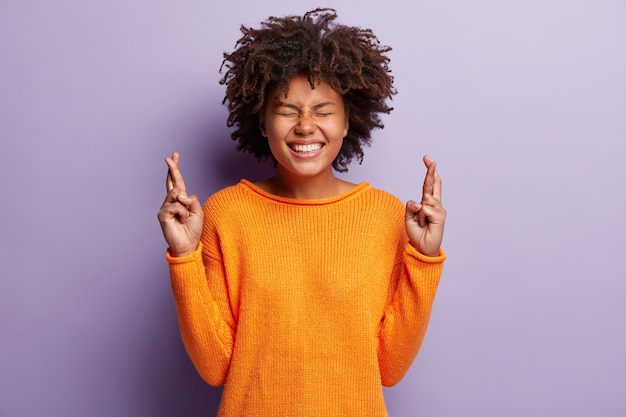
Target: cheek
[
  {"x": 276, "y": 127},
  {"x": 338, "y": 129}
]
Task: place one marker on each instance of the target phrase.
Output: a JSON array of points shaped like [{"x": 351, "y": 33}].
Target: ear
[
  {"x": 346, "y": 126},
  {"x": 262, "y": 125}
]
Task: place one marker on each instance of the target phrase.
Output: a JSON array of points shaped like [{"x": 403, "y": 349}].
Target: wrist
[
  {"x": 433, "y": 253},
  {"x": 179, "y": 253}
]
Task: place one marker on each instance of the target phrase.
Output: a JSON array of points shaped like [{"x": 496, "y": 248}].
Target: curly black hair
[{"x": 350, "y": 59}]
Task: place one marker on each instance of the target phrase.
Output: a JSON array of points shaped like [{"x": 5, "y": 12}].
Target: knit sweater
[{"x": 303, "y": 307}]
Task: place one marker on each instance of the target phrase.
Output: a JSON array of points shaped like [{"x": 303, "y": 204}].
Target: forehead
[{"x": 300, "y": 90}]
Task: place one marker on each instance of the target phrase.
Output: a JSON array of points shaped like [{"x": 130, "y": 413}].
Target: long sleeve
[
  {"x": 204, "y": 318},
  {"x": 303, "y": 307},
  {"x": 406, "y": 317}
]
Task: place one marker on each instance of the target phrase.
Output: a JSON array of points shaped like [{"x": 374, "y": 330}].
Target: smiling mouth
[{"x": 313, "y": 147}]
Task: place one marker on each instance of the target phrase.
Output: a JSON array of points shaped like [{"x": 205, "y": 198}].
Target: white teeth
[{"x": 307, "y": 148}]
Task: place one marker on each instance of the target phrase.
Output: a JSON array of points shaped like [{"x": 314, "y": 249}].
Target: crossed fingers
[
  {"x": 432, "y": 181},
  {"x": 174, "y": 177}
]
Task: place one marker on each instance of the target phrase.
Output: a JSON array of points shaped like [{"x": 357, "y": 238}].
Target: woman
[{"x": 303, "y": 294}]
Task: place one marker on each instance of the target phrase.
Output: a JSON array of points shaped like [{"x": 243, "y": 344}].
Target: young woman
[{"x": 304, "y": 294}]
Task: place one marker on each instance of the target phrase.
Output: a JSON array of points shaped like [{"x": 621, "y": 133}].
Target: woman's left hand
[{"x": 425, "y": 220}]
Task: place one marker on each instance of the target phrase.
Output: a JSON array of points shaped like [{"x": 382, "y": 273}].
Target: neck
[{"x": 305, "y": 188}]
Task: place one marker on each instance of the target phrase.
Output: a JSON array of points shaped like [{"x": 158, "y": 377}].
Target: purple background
[{"x": 523, "y": 104}]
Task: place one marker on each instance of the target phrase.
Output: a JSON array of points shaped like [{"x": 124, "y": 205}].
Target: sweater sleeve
[
  {"x": 205, "y": 320},
  {"x": 406, "y": 317}
]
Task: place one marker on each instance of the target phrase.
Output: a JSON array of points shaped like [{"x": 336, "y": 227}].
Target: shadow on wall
[
  {"x": 211, "y": 160},
  {"x": 225, "y": 166},
  {"x": 174, "y": 386}
]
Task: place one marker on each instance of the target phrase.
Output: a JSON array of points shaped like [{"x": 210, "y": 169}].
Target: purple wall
[{"x": 523, "y": 104}]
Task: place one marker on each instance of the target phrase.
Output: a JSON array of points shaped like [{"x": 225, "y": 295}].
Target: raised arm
[
  {"x": 406, "y": 318},
  {"x": 204, "y": 317}
]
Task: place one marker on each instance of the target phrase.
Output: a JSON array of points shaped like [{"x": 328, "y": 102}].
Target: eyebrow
[{"x": 315, "y": 107}]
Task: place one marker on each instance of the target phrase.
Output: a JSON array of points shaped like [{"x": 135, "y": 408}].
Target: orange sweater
[{"x": 303, "y": 307}]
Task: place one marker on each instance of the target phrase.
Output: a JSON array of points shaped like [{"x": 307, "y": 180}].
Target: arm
[
  {"x": 417, "y": 270},
  {"x": 204, "y": 320},
  {"x": 406, "y": 317}
]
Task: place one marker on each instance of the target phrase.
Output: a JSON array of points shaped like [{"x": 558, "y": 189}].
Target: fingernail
[{"x": 183, "y": 195}]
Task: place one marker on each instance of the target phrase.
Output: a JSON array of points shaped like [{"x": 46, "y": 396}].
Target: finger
[
  {"x": 170, "y": 198},
  {"x": 415, "y": 212},
  {"x": 437, "y": 186},
  {"x": 169, "y": 182},
  {"x": 175, "y": 195},
  {"x": 434, "y": 215},
  {"x": 429, "y": 179},
  {"x": 169, "y": 179},
  {"x": 174, "y": 210},
  {"x": 412, "y": 208},
  {"x": 193, "y": 204},
  {"x": 431, "y": 200},
  {"x": 421, "y": 217},
  {"x": 174, "y": 177}
]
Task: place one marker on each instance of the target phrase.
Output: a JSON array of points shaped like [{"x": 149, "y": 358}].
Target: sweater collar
[{"x": 357, "y": 189}]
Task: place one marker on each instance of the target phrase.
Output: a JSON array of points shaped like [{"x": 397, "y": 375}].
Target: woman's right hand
[{"x": 181, "y": 215}]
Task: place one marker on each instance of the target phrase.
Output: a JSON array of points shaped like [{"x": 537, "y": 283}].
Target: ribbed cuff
[
  {"x": 410, "y": 250},
  {"x": 193, "y": 256}
]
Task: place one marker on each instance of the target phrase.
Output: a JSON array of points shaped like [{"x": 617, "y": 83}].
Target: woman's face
[{"x": 305, "y": 129}]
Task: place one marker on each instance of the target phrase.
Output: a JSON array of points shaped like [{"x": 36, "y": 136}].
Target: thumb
[{"x": 415, "y": 213}]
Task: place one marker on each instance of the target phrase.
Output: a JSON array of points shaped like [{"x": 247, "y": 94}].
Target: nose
[{"x": 305, "y": 124}]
